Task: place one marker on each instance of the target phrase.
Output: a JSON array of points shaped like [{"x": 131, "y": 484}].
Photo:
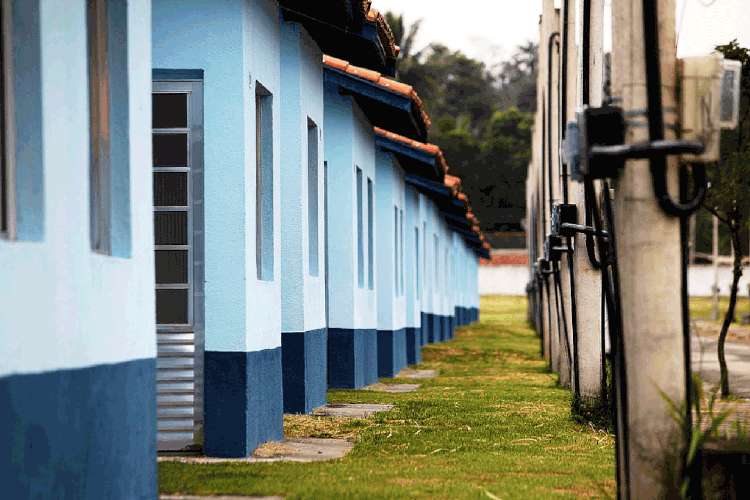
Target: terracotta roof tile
[
  {"x": 335, "y": 62},
  {"x": 364, "y": 6},
  {"x": 365, "y": 73},
  {"x": 399, "y": 87},
  {"x": 384, "y": 33},
  {"x": 452, "y": 181},
  {"x": 378, "y": 79},
  {"x": 430, "y": 148},
  {"x": 505, "y": 260}
]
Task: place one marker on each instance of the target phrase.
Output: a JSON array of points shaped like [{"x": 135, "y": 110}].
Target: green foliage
[
  {"x": 704, "y": 429},
  {"x": 481, "y": 119}
]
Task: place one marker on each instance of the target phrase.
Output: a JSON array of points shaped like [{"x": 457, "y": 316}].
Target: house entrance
[{"x": 177, "y": 135}]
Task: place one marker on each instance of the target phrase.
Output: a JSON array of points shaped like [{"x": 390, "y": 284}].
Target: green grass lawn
[
  {"x": 700, "y": 307},
  {"x": 494, "y": 424}
]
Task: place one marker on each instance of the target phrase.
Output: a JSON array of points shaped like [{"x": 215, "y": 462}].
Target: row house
[{"x": 211, "y": 213}]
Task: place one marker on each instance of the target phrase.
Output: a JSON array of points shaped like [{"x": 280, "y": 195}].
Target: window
[
  {"x": 178, "y": 184},
  {"x": 5, "y": 106},
  {"x": 360, "y": 232},
  {"x": 416, "y": 257},
  {"x": 437, "y": 262},
  {"x": 370, "y": 235},
  {"x": 312, "y": 195},
  {"x": 395, "y": 251},
  {"x": 424, "y": 249},
  {"x": 401, "y": 249},
  {"x": 264, "y": 182},
  {"x": 109, "y": 174}
]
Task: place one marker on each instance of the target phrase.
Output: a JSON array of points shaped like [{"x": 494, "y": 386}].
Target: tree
[
  {"x": 480, "y": 118},
  {"x": 729, "y": 196}
]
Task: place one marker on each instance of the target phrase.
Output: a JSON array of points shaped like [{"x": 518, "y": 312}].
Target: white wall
[
  {"x": 701, "y": 279},
  {"x": 61, "y": 305},
  {"x": 503, "y": 280}
]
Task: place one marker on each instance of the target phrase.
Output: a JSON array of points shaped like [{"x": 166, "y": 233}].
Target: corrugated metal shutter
[{"x": 175, "y": 390}]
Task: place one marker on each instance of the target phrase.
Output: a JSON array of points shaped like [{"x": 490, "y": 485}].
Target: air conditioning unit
[{"x": 709, "y": 101}]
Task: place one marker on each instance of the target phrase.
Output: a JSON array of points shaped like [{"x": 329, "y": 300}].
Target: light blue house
[
  {"x": 77, "y": 350},
  {"x": 304, "y": 337},
  {"x": 356, "y": 99},
  {"x": 229, "y": 53},
  {"x": 180, "y": 267}
]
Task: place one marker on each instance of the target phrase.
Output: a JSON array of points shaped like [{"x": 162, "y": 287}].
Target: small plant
[{"x": 683, "y": 458}]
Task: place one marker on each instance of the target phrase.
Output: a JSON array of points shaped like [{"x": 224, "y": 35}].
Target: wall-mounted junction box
[{"x": 709, "y": 101}]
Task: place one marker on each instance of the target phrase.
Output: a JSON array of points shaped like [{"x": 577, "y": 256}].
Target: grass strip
[{"x": 494, "y": 424}]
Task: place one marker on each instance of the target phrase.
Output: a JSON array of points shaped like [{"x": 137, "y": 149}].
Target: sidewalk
[{"x": 705, "y": 362}]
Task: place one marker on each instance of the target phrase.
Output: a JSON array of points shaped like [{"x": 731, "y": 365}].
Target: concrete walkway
[
  {"x": 737, "y": 353},
  {"x": 705, "y": 362}
]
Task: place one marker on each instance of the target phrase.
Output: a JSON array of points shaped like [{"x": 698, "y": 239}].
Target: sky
[{"x": 490, "y": 30}]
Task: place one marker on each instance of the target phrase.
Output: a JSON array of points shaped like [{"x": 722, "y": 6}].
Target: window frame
[
  {"x": 370, "y": 234},
  {"x": 313, "y": 194},
  {"x": 7, "y": 128},
  {"x": 109, "y": 153},
  {"x": 264, "y": 184},
  {"x": 360, "y": 228}
]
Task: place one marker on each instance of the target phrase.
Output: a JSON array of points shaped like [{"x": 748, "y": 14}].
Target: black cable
[
  {"x": 548, "y": 143},
  {"x": 589, "y": 201},
  {"x": 692, "y": 470},
  {"x": 561, "y": 308},
  {"x": 683, "y": 209},
  {"x": 549, "y": 317},
  {"x": 573, "y": 304},
  {"x": 564, "y": 71},
  {"x": 544, "y": 168},
  {"x": 586, "y": 53},
  {"x": 607, "y": 254},
  {"x": 658, "y": 165},
  {"x": 603, "y": 345}
]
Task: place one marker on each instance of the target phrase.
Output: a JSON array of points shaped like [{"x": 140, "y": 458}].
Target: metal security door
[{"x": 177, "y": 133}]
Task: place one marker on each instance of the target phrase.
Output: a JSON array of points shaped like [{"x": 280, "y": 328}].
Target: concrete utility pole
[
  {"x": 588, "y": 287},
  {"x": 648, "y": 251}
]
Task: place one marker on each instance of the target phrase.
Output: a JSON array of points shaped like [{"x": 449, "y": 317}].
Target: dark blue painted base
[
  {"x": 445, "y": 328},
  {"x": 391, "y": 352},
  {"x": 434, "y": 331},
  {"x": 352, "y": 358},
  {"x": 243, "y": 403},
  {"x": 87, "y": 433},
  {"x": 304, "y": 359},
  {"x": 413, "y": 346},
  {"x": 474, "y": 314},
  {"x": 425, "y": 322}
]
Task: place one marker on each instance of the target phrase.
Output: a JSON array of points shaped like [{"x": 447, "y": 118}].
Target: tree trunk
[{"x": 736, "y": 274}]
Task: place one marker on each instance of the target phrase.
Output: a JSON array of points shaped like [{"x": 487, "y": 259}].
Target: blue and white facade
[
  {"x": 352, "y": 287},
  {"x": 212, "y": 228},
  {"x": 77, "y": 350},
  {"x": 390, "y": 207},
  {"x": 236, "y": 45},
  {"x": 304, "y": 338}
]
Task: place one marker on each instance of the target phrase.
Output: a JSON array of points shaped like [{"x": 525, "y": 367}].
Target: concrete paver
[
  {"x": 223, "y": 497},
  {"x": 394, "y": 388},
  {"x": 350, "y": 410},
  {"x": 412, "y": 373},
  {"x": 289, "y": 450}
]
